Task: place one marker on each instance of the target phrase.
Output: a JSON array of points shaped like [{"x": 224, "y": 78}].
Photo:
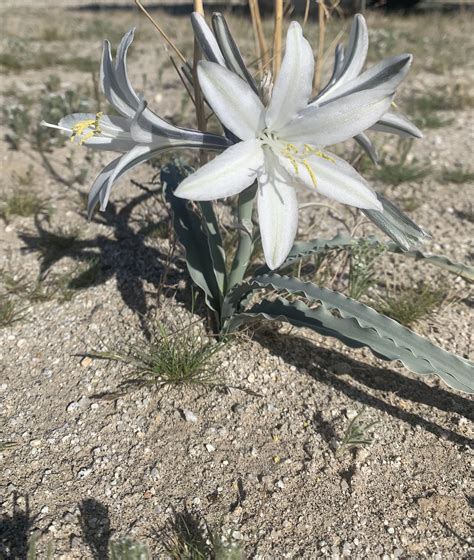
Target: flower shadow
[{"x": 123, "y": 254}]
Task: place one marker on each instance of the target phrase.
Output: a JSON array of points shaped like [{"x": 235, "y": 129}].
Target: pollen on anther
[{"x": 92, "y": 125}]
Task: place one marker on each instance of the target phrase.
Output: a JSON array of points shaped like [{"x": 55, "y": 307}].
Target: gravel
[{"x": 92, "y": 461}]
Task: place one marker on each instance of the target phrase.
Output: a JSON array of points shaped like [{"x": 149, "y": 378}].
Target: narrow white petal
[
  {"x": 229, "y": 173},
  {"x": 206, "y": 39},
  {"x": 109, "y": 144},
  {"x": 113, "y": 134},
  {"x": 277, "y": 211},
  {"x": 100, "y": 190},
  {"x": 121, "y": 68},
  {"x": 111, "y": 87},
  {"x": 339, "y": 120},
  {"x": 136, "y": 155},
  {"x": 336, "y": 179},
  {"x": 395, "y": 123},
  {"x": 294, "y": 83},
  {"x": 232, "y": 99},
  {"x": 386, "y": 76},
  {"x": 356, "y": 52},
  {"x": 71, "y": 120}
]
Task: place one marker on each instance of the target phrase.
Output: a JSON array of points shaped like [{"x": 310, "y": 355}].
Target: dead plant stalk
[
  {"x": 263, "y": 56},
  {"x": 277, "y": 37},
  {"x": 322, "y": 17}
]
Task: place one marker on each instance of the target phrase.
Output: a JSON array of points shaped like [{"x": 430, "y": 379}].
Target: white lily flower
[
  {"x": 139, "y": 133},
  {"x": 347, "y": 77},
  {"x": 283, "y": 145}
]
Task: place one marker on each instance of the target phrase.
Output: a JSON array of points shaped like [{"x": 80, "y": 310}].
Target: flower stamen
[
  {"x": 297, "y": 156},
  {"x": 92, "y": 125}
]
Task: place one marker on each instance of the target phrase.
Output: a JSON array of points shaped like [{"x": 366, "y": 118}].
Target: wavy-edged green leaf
[
  {"x": 441, "y": 261},
  {"x": 360, "y": 325},
  {"x": 304, "y": 249},
  {"x": 188, "y": 228}
]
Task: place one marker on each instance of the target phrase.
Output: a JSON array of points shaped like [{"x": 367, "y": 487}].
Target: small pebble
[{"x": 189, "y": 416}]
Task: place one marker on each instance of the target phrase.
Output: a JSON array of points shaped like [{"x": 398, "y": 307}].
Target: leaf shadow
[
  {"x": 95, "y": 525},
  {"x": 368, "y": 385},
  {"x": 15, "y": 530},
  {"x": 123, "y": 254}
]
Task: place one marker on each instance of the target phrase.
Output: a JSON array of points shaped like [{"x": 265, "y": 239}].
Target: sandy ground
[{"x": 258, "y": 459}]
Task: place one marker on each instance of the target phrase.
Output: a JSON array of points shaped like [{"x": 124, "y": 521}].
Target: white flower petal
[
  {"x": 110, "y": 124},
  {"x": 294, "y": 82},
  {"x": 229, "y": 173},
  {"x": 121, "y": 69},
  {"x": 205, "y": 38},
  {"x": 339, "y": 120},
  {"x": 356, "y": 53},
  {"x": 109, "y": 144},
  {"x": 114, "y": 131},
  {"x": 335, "y": 179},
  {"x": 235, "y": 103},
  {"x": 100, "y": 190},
  {"x": 395, "y": 123},
  {"x": 277, "y": 211},
  {"x": 385, "y": 76},
  {"x": 137, "y": 155},
  {"x": 111, "y": 88}
]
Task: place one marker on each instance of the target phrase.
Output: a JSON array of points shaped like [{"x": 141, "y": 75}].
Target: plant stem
[
  {"x": 198, "y": 97},
  {"x": 277, "y": 33},
  {"x": 245, "y": 246},
  {"x": 161, "y": 32},
  {"x": 322, "y": 14},
  {"x": 264, "y": 59}
]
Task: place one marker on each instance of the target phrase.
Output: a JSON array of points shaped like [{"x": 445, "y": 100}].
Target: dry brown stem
[
  {"x": 161, "y": 31},
  {"x": 277, "y": 37}
]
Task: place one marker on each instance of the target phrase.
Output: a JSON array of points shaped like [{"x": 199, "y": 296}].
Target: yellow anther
[
  {"x": 309, "y": 150},
  {"x": 394, "y": 105},
  {"x": 311, "y": 172},
  {"x": 294, "y": 163},
  {"x": 90, "y": 125},
  {"x": 297, "y": 156},
  {"x": 324, "y": 156}
]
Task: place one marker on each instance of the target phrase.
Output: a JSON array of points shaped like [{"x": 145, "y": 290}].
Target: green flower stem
[{"x": 246, "y": 241}]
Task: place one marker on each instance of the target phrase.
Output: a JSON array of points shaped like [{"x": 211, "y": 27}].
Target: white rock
[{"x": 189, "y": 416}]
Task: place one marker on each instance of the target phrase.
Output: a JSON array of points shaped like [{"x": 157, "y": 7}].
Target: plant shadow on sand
[
  {"x": 15, "y": 530},
  {"x": 366, "y": 378},
  {"x": 95, "y": 525},
  {"x": 125, "y": 255}
]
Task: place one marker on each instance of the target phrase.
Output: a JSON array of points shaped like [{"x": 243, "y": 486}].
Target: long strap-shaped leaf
[
  {"x": 215, "y": 244},
  {"x": 360, "y": 325},
  {"x": 189, "y": 230},
  {"x": 341, "y": 241},
  {"x": 246, "y": 240}
]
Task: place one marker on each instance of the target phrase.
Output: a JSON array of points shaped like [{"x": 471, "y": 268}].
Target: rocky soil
[{"x": 259, "y": 458}]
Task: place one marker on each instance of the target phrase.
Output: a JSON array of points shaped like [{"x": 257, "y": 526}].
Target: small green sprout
[{"x": 356, "y": 434}]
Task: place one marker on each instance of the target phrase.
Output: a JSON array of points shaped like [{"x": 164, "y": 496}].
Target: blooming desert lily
[
  {"x": 283, "y": 145},
  {"x": 276, "y": 142},
  {"x": 139, "y": 133}
]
